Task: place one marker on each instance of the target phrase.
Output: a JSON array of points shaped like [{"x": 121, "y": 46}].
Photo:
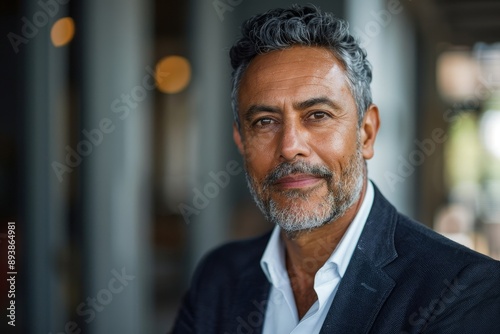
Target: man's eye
[
  {"x": 264, "y": 122},
  {"x": 318, "y": 115}
]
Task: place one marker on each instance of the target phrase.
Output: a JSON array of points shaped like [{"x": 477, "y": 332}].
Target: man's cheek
[
  {"x": 256, "y": 149},
  {"x": 251, "y": 156}
]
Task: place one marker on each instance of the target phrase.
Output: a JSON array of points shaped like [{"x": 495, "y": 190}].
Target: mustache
[{"x": 299, "y": 167}]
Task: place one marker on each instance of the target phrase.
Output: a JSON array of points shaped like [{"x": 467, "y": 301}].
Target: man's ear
[
  {"x": 237, "y": 138},
  {"x": 369, "y": 130}
]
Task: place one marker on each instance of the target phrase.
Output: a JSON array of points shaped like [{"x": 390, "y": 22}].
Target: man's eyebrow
[
  {"x": 256, "y": 108},
  {"x": 315, "y": 101}
]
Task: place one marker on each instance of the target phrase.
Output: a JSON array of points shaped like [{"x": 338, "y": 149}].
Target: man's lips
[{"x": 297, "y": 181}]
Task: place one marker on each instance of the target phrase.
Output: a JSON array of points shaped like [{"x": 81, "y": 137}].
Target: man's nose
[{"x": 293, "y": 142}]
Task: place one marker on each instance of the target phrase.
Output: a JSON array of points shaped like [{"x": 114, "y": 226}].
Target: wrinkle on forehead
[
  {"x": 287, "y": 66},
  {"x": 296, "y": 70}
]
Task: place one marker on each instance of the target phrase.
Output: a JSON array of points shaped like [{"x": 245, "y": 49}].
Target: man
[{"x": 340, "y": 259}]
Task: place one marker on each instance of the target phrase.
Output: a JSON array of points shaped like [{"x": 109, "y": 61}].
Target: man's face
[{"x": 304, "y": 153}]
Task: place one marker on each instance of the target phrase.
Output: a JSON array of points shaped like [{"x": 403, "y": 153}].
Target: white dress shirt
[{"x": 281, "y": 314}]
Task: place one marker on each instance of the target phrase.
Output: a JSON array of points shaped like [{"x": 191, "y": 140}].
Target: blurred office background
[{"x": 116, "y": 155}]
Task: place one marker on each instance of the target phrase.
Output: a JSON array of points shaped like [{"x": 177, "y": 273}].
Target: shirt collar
[{"x": 273, "y": 260}]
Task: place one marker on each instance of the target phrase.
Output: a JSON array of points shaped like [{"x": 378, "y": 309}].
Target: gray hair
[{"x": 279, "y": 29}]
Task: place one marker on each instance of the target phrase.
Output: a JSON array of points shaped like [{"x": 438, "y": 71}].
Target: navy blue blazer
[{"x": 402, "y": 278}]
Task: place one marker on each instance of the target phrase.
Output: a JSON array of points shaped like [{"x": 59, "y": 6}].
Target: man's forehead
[{"x": 298, "y": 72}]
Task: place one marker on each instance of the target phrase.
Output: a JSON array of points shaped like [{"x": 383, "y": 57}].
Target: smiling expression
[{"x": 303, "y": 149}]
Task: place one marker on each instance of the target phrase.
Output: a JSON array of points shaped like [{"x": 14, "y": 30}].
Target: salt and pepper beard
[{"x": 342, "y": 192}]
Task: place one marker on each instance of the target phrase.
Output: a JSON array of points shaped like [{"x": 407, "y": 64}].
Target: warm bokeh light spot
[
  {"x": 62, "y": 31},
  {"x": 457, "y": 75},
  {"x": 173, "y": 74}
]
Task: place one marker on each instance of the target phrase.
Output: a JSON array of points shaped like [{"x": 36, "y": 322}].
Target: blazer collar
[
  {"x": 251, "y": 294},
  {"x": 366, "y": 286},
  {"x": 377, "y": 239}
]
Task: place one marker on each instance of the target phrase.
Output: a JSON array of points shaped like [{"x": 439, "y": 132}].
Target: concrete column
[
  {"x": 46, "y": 88},
  {"x": 116, "y": 174},
  {"x": 389, "y": 39},
  {"x": 211, "y": 124}
]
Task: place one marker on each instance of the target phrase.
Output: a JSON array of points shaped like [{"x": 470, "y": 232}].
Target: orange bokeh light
[
  {"x": 62, "y": 31},
  {"x": 173, "y": 74}
]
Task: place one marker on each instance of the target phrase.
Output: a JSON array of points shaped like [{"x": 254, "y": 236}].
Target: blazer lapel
[
  {"x": 249, "y": 310},
  {"x": 249, "y": 295},
  {"x": 360, "y": 296},
  {"x": 365, "y": 286}
]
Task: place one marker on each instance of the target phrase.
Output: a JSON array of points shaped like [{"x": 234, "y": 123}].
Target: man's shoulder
[
  {"x": 417, "y": 242},
  {"x": 435, "y": 258},
  {"x": 415, "y": 238},
  {"x": 438, "y": 284}
]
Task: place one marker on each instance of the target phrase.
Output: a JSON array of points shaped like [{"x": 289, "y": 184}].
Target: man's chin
[
  {"x": 293, "y": 231},
  {"x": 300, "y": 216}
]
